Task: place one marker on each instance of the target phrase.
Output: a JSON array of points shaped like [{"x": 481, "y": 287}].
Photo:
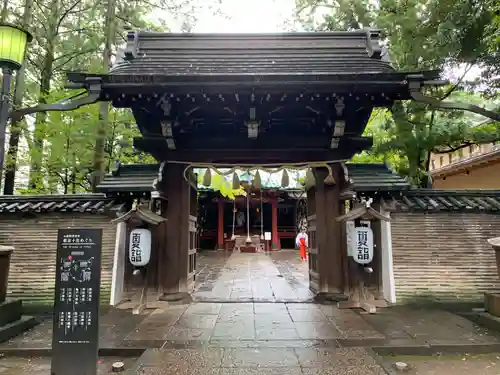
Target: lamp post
[{"x": 13, "y": 43}]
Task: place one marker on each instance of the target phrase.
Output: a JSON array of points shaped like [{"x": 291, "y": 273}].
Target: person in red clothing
[{"x": 301, "y": 243}]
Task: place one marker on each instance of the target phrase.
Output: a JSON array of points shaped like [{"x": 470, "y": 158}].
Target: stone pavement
[
  {"x": 278, "y": 325},
  {"x": 221, "y": 362},
  {"x": 241, "y": 277},
  {"x": 232, "y": 337}
]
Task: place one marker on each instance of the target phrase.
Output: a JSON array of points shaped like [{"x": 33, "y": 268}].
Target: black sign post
[{"x": 75, "y": 336}]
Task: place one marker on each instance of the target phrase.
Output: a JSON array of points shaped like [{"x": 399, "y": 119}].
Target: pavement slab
[{"x": 259, "y": 277}]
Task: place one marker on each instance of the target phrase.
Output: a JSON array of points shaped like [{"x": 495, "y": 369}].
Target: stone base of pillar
[
  {"x": 329, "y": 297},
  {"x": 181, "y": 297}
]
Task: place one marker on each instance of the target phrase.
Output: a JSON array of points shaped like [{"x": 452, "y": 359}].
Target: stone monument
[{"x": 12, "y": 322}]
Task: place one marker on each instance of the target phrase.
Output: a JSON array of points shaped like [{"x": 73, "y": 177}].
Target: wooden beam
[
  {"x": 251, "y": 155},
  {"x": 219, "y": 142},
  {"x": 248, "y": 157},
  {"x": 393, "y": 85}
]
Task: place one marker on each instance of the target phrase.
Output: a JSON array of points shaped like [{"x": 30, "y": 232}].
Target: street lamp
[{"x": 13, "y": 43}]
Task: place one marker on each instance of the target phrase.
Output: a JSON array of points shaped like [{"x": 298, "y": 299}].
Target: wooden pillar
[
  {"x": 220, "y": 223},
  {"x": 388, "y": 282},
  {"x": 329, "y": 234},
  {"x": 313, "y": 244},
  {"x": 274, "y": 215},
  {"x": 175, "y": 254}
]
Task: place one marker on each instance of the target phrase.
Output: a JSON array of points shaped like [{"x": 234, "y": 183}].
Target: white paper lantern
[
  {"x": 363, "y": 251},
  {"x": 139, "y": 252}
]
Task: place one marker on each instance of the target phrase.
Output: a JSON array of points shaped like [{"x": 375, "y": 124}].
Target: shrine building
[
  {"x": 273, "y": 208},
  {"x": 256, "y": 102}
]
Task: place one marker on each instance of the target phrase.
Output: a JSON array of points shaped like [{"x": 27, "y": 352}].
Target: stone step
[
  {"x": 10, "y": 311},
  {"x": 13, "y": 329}
]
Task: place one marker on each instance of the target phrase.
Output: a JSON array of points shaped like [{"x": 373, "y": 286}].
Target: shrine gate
[{"x": 297, "y": 100}]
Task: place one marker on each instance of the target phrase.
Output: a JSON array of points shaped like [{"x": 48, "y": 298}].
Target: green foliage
[
  {"x": 220, "y": 184},
  {"x": 70, "y": 35},
  {"x": 422, "y": 35}
]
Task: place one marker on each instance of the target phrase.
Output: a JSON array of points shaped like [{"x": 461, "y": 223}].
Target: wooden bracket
[{"x": 93, "y": 91}]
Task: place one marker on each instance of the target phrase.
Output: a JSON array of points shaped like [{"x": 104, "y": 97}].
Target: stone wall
[
  {"x": 444, "y": 256},
  {"x": 32, "y": 267}
]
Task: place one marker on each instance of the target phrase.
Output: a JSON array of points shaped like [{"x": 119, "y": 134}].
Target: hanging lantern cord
[
  {"x": 248, "y": 220},
  {"x": 233, "y": 237},
  {"x": 261, "y": 217}
]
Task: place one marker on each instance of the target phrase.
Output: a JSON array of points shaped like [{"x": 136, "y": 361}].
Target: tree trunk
[
  {"x": 5, "y": 11},
  {"x": 15, "y": 126},
  {"x": 73, "y": 174},
  {"x": 99, "y": 161},
  {"x": 35, "y": 181},
  {"x": 428, "y": 179}
]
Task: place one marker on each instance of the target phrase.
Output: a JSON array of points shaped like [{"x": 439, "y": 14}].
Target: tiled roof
[
  {"x": 91, "y": 203},
  {"x": 133, "y": 178},
  {"x": 140, "y": 179},
  {"x": 141, "y": 213},
  {"x": 447, "y": 200},
  {"x": 201, "y": 55},
  {"x": 368, "y": 177}
]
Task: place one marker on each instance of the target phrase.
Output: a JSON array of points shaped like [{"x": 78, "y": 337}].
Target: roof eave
[{"x": 462, "y": 165}]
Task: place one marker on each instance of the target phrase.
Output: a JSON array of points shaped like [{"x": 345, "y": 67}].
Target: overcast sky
[
  {"x": 255, "y": 16},
  {"x": 261, "y": 16}
]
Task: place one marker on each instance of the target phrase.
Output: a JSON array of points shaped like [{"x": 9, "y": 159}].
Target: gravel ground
[
  {"x": 449, "y": 365},
  {"x": 41, "y": 366}
]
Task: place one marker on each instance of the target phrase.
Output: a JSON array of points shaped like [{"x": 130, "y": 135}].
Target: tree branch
[
  {"x": 40, "y": 5},
  {"x": 128, "y": 21},
  {"x": 170, "y": 9},
  {"x": 455, "y": 86},
  {"x": 73, "y": 54},
  {"x": 65, "y": 14},
  {"x": 428, "y": 156},
  {"x": 74, "y": 31},
  {"x": 463, "y": 145},
  {"x": 38, "y": 21},
  {"x": 315, "y": 4},
  {"x": 452, "y": 149}
]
